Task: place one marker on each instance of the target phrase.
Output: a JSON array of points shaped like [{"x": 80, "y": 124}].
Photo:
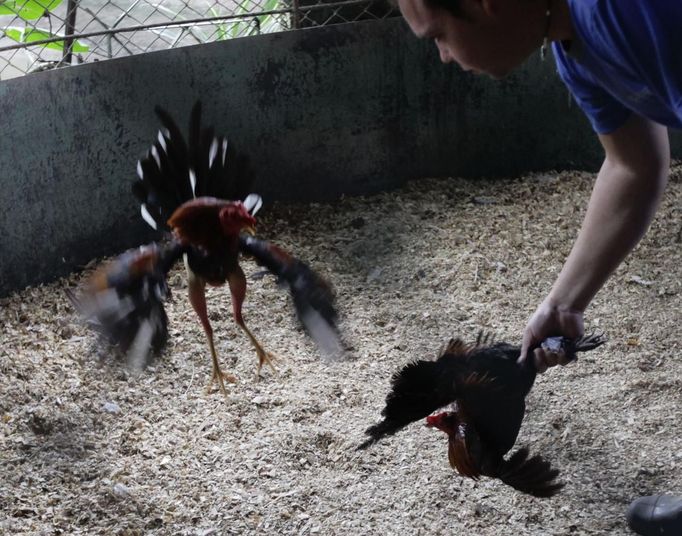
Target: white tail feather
[
  {"x": 193, "y": 182},
  {"x": 146, "y": 216},
  {"x": 162, "y": 142},
  {"x": 156, "y": 156},
  {"x": 252, "y": 203},
  {"x": 213, "y": 151}
]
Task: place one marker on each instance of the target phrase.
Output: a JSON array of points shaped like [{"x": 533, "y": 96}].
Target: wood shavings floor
[{"x": 88, "y": 448}]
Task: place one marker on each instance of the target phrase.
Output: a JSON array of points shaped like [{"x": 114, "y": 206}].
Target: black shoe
[{"x": 656, "y": 515}]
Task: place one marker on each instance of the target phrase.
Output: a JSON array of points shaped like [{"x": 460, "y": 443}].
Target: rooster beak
[{"x": 250, "y": 229}]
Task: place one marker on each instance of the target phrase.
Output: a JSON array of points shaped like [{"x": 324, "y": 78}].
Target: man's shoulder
[
  {"x": 616, "y": 29},
  {"x": 621, "y": 58}
]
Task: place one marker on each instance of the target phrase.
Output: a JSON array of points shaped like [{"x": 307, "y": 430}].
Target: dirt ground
[{"x": 88, "y": 448}]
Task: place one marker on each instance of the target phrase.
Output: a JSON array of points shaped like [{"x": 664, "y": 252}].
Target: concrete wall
[{"x": 345, "y": 109}]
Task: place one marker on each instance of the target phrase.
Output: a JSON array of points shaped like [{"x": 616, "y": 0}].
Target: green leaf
[
  {"x": 27, "y": 35},
  {"x": 270, "y": 5},
  {"x": 221, "y": 32},
  {"x": 27, "y": 9}
]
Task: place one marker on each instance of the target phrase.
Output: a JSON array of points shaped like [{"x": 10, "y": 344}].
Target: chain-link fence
[{"x": 44, "y": 34}]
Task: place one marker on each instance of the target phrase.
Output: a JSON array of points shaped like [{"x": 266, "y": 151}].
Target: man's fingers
[
  {"x": 522, "y": 358},
  {"x": 525, "y": 345},
  {"x": 540, "y": 362}
]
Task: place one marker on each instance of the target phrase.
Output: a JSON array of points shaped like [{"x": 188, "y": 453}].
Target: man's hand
[
  {"x": 550, "y": 320},
  {"x": 626, "y": 194}
]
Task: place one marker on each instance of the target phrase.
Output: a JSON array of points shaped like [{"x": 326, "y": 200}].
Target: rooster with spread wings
[{"x": 192, "y": 190}]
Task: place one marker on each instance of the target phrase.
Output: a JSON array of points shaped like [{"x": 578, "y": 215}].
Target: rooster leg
[
  {"x": 237, "y": 283},
  {"x": 197, "y": 298}
]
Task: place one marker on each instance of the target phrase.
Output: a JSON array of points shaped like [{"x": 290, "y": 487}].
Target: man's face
[{"x": 480, "y": 41}]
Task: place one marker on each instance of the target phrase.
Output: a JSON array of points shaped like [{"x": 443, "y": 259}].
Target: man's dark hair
[{"x": 452, "y": 6}]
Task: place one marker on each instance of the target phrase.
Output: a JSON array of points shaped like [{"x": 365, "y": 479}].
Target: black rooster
[{"x": 486, "y": 390}]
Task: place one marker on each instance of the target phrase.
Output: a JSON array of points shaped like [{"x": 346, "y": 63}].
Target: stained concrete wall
[{"x": 345, "y": 109}]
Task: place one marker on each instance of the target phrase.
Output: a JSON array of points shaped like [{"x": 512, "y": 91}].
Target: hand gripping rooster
[
  {"x": 189, "y": 191},
  {"x": 485, "y": 390}
]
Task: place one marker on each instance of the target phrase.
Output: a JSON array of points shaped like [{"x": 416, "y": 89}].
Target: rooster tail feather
[
  {"x": 174, "y": 171},
  {"x": 198, "y": 168},
  {"x": 161, "y": 184},
  {"x": 231, "y": 175},
  {"x": 533, "y": 476},
  {"x": 313, "y": 297},
  {"x": 218, "y": 169}
]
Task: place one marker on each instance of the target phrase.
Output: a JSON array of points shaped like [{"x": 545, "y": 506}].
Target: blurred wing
[
  {"x": 123, "y": 300},
  {"x": 417, "y": 390},
  {"x": 313, "y": 296},
  {"x": 173, "y": 171},
  {"x": 422, "y": 387}
]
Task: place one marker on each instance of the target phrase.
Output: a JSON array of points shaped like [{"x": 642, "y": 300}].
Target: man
[{"x": 622, "y": 61}]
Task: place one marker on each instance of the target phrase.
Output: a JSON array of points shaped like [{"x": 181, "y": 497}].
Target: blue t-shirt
[{"x": 625, "y": 57}]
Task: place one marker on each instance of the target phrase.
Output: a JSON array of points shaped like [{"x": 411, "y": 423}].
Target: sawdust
[{"x": 88, "y": 448}]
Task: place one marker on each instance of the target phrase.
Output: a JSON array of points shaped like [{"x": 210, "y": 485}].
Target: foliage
[
  {"x": 29, "y": 35},
  {"x": 30, "y": 10},
  {"x": 230, "y": 28},
  {"x": 260, "y": 23},
  {"x": 31, "y": 21},
  {"x": 27, "y": 9}
]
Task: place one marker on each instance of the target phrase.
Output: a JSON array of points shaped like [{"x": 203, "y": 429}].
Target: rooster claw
[
  {"x": 268, "y": 358},
  {"x": 220, "y": 377},
  {"x": 555, "y": 345}
]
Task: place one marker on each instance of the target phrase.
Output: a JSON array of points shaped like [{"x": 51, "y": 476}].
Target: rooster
[
  {"x": 486, "y": 390},
  {"x": 190, "y": 190}
]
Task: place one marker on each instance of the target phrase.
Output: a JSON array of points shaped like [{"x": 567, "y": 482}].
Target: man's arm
[{"x": 624, "y": 200}]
